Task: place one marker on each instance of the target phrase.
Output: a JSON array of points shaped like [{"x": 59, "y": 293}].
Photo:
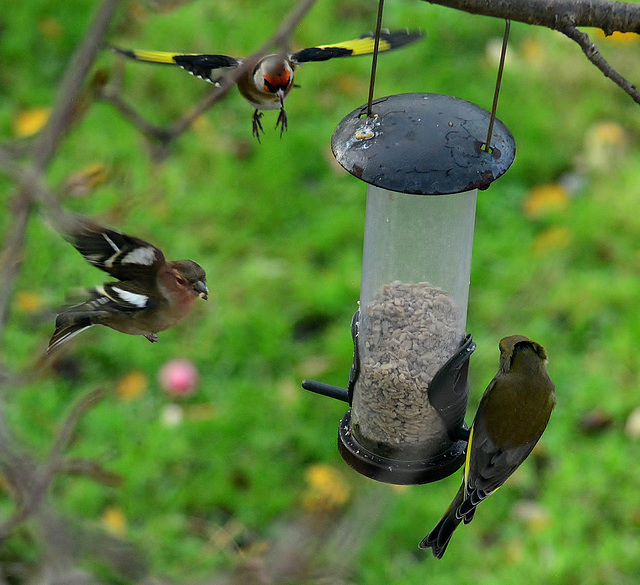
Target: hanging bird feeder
[{"x": 424, "y": 157}]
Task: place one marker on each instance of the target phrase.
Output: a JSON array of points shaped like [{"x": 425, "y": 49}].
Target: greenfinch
[{"x": 512, "y": 415}]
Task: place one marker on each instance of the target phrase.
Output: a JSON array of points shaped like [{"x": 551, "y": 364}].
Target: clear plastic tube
[{"x": 413, "y": 308}]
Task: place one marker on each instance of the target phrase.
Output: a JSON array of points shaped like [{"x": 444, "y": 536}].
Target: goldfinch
[
  {"x": 271, "y": 80},
  {"x": 151, "y": 294},
  {"x": 512, "y": 415}
]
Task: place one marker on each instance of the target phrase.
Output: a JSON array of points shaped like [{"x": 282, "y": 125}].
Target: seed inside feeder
[{"x": 406, "y": 334}]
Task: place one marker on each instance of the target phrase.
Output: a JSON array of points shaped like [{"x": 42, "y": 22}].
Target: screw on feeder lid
[{"x": 423, "y": 143}]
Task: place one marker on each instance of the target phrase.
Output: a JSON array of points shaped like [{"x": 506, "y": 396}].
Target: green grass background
[{"x": 279, "y": 228}]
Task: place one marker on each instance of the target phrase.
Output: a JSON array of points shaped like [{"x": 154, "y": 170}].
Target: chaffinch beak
[{"x": 201, "y": 287}]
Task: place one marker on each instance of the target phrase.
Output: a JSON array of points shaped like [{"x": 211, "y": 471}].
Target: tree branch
[
  {"x": 565, "y": 16},
  {"x": 71, "y": 85},
  {"x": 607, "y": 15},
  {"x": 45, "y": 148},
  {"x": 593, "y": 54},
  {"x": 30, "y": 481}
]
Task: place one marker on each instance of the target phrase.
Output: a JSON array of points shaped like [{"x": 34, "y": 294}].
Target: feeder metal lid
[{"x": 423, "y": 143}]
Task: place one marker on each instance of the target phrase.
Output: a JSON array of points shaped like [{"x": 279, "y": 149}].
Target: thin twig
[
  {"x": 80, "y": 408},
  {"x": 593, "y": 54},
  {"x": 565, "y": 16},
  {"x": 92, "y": 469},
  {"x": 45, "y": 148},
  {"x": 29, "y": 480},
  {"x": 112, "y": 96}
]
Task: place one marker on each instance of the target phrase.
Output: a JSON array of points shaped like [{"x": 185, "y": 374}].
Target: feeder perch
[{"x": 408, "y": 385}]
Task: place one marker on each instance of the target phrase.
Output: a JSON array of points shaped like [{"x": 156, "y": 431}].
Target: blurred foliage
[{"x": 208, "y": 481}]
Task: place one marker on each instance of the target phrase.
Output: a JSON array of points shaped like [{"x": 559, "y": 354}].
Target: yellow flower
[
  {"x": 545, "y": 199},
  {"x": 326, "y": 488},
  {"x": 114, "y": 521},
  {"x": 131, "y": 385},
  {"x": 30, "y": 121}
]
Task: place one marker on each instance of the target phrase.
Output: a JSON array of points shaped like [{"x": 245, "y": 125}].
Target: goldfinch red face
[{"x": 274, "y": 76}]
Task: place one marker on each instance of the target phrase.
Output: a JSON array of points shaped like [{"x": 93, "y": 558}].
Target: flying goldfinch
[
  {"x": 512, "y": 415},
  {"x": 271, "y": 80},
  {"x": 151, "y": 294}
]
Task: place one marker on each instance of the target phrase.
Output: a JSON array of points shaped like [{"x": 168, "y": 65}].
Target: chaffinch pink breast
[
  {"x": 151, "y": 294},
  {"x": 271, "y": 80}
]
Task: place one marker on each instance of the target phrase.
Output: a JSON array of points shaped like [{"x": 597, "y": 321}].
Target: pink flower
[{"x": 178, "y": 377}]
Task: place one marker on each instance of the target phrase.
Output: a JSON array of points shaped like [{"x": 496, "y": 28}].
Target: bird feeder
[{"x": 424, "y": 157}]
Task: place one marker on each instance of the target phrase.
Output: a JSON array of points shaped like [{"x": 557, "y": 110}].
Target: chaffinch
[
  {"x": 271, "y": 80},
  {"x": 512, "y": 415},
  {"x": 151, "y": 295}
]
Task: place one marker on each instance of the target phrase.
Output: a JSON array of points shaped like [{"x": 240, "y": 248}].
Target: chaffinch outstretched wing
[
  {"x": 271, "y": 80},
  {"x": 512, "y": 415},
  {"x": 151, "y": 294}
]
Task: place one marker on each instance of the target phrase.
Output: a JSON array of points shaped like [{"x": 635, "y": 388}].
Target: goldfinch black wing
[
  {"x": 212, "y": 68},
  {"x": 123, "y": 257},
  {"x": 363, "y": 46}
]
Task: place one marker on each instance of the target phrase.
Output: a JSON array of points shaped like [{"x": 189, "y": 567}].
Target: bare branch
[
  {"x": 564, "y": 16},
  {"x": 30, "y": 481},
  {"x": 11, "y": 256},
  {"x": 112, "y": 96},
  {"x": 47, "y": 143},
  {"x": 71, "y": 85},
  {"x": 593, "y": 54},
  {"x": 80, "y": 408},
  {"x": 607, "y": 15},
  {"x": 90, "y": 468}
]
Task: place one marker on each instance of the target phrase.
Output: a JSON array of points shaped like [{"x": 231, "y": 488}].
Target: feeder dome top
[{"x": 423, "y": 143}]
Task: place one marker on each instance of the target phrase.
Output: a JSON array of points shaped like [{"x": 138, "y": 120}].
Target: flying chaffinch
[
  {"x": 513, "y": 413},
  {"x": 271, "y": 80},
  {"x": 151, "y": 294}
]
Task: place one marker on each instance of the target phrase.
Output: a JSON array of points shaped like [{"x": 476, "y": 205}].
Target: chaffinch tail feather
[
  {"x": 269, "y": 83},
  {"x": 151, "y": 294}
]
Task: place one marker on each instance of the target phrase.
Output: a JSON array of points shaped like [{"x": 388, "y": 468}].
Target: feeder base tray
[{"x": 397, "y": 471}]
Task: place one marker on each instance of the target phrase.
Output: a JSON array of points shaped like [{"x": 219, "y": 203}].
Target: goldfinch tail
[{"x": 159, "y": 57}]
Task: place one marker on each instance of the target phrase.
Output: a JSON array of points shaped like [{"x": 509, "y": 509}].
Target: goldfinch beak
[{"x": 201, "y": 288}]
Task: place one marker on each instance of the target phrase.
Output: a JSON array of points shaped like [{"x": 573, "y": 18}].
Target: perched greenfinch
[{"x": 512, "y": 415}]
